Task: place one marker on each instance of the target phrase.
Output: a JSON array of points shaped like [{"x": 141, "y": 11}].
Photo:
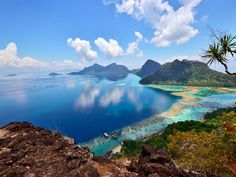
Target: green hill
[{"x": 190, "y": 73}]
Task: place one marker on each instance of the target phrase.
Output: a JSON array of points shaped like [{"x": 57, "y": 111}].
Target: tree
[
  {"x": 220, "y": 50},
  {"x": 212, "y": 152}
]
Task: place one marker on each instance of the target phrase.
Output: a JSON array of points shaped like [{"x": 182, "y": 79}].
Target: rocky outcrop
[
  {"x": 153, "y": 162},
  {"x": 29, "y": 151},
  {"x": 32, "y": 151}
]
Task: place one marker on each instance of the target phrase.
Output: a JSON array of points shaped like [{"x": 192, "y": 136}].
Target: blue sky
[{"x": 40, "y": 30}]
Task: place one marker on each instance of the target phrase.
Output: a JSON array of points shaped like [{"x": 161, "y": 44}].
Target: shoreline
[{"x": 188, "y": 107}]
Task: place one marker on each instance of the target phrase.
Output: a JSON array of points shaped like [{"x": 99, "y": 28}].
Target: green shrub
[
  {"x": 131, "y": 148},
  {"x": 219, "y": 112},
  {"x": 187, "y": 126}
]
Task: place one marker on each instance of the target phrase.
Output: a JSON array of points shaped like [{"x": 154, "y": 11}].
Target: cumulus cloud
[
  {"x": 82, "y": 48},
  {"x": 133, "y": 47},
  {"x": 170, "y": 25},
  {"x": 110, "y": 48},
  {"x": 10, "y": 58}
]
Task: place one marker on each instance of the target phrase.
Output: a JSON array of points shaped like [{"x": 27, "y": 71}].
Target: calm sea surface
[{"x": 81, "y": 107}]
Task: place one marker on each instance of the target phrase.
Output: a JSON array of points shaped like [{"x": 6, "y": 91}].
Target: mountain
[
  {"x": 111, "y": 72},
  {"x": 148, "y": 68},
  {"x": 190, "y": 73}
]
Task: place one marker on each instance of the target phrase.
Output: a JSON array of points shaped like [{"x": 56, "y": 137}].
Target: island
[
  {"x": 112, "y": 72},
  {"x": 189, "y": 73}
]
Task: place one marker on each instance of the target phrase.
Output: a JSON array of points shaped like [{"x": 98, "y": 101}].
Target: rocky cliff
[{"x": 29, "y": 151}]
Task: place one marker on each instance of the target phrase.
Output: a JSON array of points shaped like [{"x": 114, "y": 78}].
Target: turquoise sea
[{"x": 85, "y": 107}]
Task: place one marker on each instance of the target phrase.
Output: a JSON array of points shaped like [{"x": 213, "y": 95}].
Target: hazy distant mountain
[
  {"x": 148, "y": 68},
  {"x": 11, "y": 75},
  {"x": 54, "y": 74},
  {"x": 189, "y": 73},
  {"x": 111, "y": 72}
]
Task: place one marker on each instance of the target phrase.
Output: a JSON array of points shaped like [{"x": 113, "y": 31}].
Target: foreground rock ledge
[{"x": 29, "y": 151}]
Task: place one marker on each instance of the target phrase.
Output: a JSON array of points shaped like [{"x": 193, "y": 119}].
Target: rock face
[
  {"x": 111, "y": 72},
  {"x": 154, "y": 162},
  {"x": 148, "y": 68},
  {"x": 29, "y": 151}
]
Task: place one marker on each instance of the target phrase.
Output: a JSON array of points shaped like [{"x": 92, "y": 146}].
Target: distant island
[
  {"x": 184, "y": 73},
  {"x": 11, "y": 75},
  {"x": 112, "y": 72},
  {"x": 189, "y": 73},
  {"x": 54, "y": 74}
]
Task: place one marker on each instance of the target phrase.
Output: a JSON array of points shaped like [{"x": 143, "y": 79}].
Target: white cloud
[
  {"x": 139, "y": 35},
  {"x": 170, "y": 26},
  {"x": 66, "y": 64},
  {"x": 110, "y": 48},
  {"x": 82, "y": 48},
  {"x": 133, "y": 47},
  {"x": 10, "y": 59}
]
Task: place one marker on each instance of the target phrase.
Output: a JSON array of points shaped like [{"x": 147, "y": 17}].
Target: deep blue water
[{"x": 81, "y": 107}]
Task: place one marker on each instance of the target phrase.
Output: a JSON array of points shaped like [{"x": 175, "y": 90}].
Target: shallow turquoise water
[{"x": 148, "y": 127}]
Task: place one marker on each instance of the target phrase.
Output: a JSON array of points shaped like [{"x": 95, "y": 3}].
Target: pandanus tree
[{"x": 221, "y": 50}]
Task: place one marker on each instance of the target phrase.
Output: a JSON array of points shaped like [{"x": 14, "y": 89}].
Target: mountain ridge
[
  {"x": 189, "y": 73},
  {"x": 112, "y": 71},
  {"x": 149, "y": 67}
]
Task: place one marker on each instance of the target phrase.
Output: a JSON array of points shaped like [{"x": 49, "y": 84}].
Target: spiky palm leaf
[
  {"x": 228, "y": 44},
  {"x": 214, "y": 53}
]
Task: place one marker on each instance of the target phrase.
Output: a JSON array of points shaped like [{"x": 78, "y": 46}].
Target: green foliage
[
  {"x": 156, "y": 141},
  {"x": 208, "y": 145},
  {"x": 117, "y": 155},
  {"x": 131, "y": 148},
  {"x": 189, "y": 73},
  {"x": 219, "y": 112},
  {"x": 220, "y": 50},
  {"x": 185, "y": 126},
  {"x": 204, "y": 151},
  {"x": 210, "y": 151}
]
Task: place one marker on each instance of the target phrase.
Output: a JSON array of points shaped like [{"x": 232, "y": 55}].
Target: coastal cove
[{"x": 194, "y": 103}]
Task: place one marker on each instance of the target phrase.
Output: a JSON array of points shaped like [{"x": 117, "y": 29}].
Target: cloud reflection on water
[
  {"x": 87, "y": 97},
  {"x": 105, "y": 96},
  {"x": 112, "y": 96},
  {"x": 16, "y": 92}
]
